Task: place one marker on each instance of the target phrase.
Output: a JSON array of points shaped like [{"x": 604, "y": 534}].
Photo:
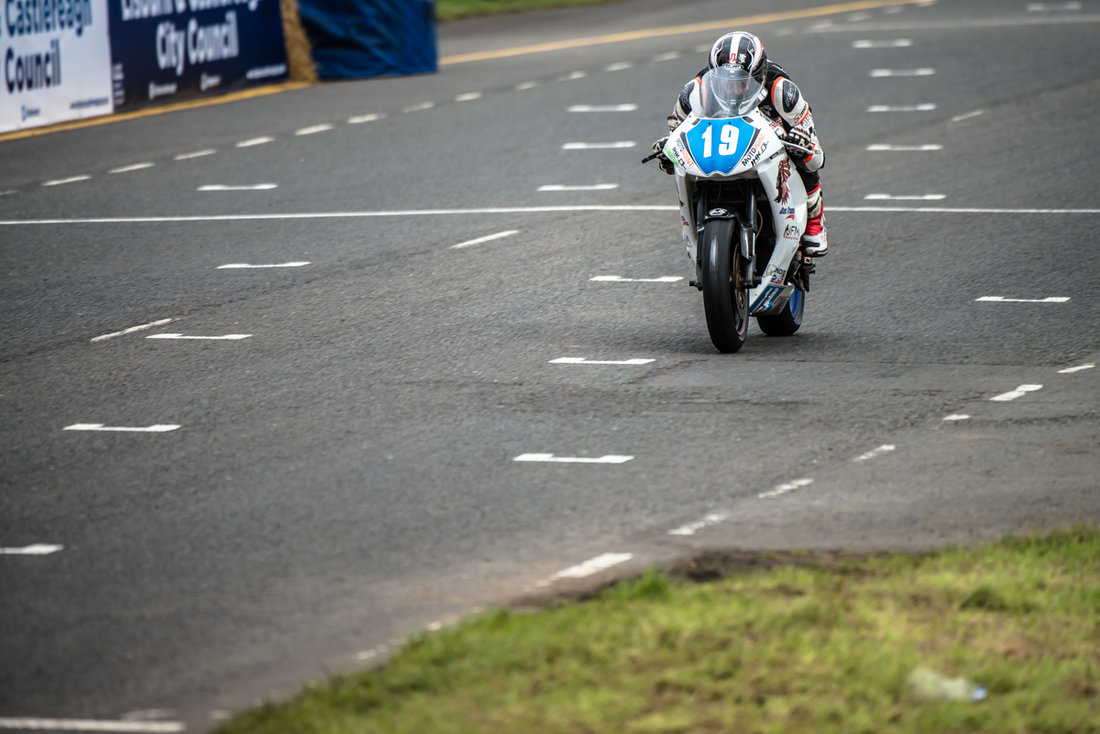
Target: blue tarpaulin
[{"x": 363, "y": 38}]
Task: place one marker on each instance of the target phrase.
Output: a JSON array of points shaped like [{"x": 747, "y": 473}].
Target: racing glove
[
  {"x": 662, "y": 159},
  {"x": 800, "y": 144}
]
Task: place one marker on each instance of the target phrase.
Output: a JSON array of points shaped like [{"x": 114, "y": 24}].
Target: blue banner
[
  {"x": 366, "y": 38},
  {"x": 162, "y": 50}
]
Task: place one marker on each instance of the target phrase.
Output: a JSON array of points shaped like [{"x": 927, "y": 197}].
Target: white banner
[{"x": 55, "y": 61}]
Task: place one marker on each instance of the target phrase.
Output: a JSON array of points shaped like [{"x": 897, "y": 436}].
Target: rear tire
[
  {"x": 725, "y": 298},
  {"x": 786, "y": 322}
]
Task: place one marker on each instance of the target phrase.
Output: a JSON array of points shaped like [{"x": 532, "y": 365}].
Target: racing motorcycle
[{"x": 743, "y": 211}]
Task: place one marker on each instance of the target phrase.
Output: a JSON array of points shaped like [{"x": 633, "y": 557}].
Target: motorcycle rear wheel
[
  {"x": 788, "y": 320},
  {"x": 725, "y": 296}
]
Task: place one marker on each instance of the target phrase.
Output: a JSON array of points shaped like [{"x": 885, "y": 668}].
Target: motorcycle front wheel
[{"x": 725, "y": 296}]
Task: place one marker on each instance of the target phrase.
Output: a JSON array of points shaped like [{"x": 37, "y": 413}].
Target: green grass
[
  {"x": 809, "y": 645},
  {"x": 455, "y": 9}
]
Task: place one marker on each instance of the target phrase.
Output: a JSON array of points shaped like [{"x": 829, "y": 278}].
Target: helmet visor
[{"x": 730, "y": 91}]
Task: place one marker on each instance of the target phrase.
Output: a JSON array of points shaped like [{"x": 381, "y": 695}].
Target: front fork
[{"x": 747, "y": 228}]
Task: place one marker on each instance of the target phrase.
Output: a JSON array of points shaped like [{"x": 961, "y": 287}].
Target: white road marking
[
  {"x": 360, "y": 119},
  {"x": 245, "y": 187},
  {"x": 486, "y": 238},
  {"x": 63, "y": 181},
  {"x": 195, "y": 154},
  {"x": 132, "y": 329},
  {"x": 786, "y": 487},
  {"x": 1019, "y": 392},
  {"x": 922, "y": 107},
  {"x": 549, "y": 209},
  {"x": 1052, "y": 7},
  {"x": 619, "y": 66},
  {"x": 1002, "y": 299},
  {"x": 599, "y": 146},
  {"x": 468, "y": 97},
  {"x": 551, "y": 459},
  {"x": 132, "y": 167},
  {"x": 628, "y": 107},
  {"x": 967, "y": 115},
  {"x": 621, "y": 279},
  {"x": 922, "y": 71},
  {"x": 9, "y": 192},
  {"x": 573, "y": 75},
  {"x": 246, "y": 266},
  {"x": 225, "y": 337},
  {"x": 313, "y": 129},
  {"x": 587, "y": 187},
  {"x": 524, "y": 86},
  {"x": 915, "y": 197},
  {"x": 419, "y": 107},
  {"x": 589, "y": 567},
  {"x": 38, "y": 549},
  {"x": 956, "y": 417},
  {"x": 582, "y": 360},
  {"x": 895, "y": 43},
  {"x": 1078, "y": 368},
  {"x": 157, "y": 428},
  {"x": 134, "y": 727},
  {"x": 881, "y": 147},
  {"x": 669, "y": 56},
  {"x": 694, "y": 527},
  {"x": 262, "y": 140},
  {"x": 876, "y": 452}
]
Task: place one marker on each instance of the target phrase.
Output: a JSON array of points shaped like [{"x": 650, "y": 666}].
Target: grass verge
[
  {"x": 812, "y": 644},
  {"x": 455, "y": 9}
]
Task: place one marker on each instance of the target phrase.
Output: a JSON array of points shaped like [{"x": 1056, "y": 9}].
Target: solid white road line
[
  {"x": 589, "y": 567},
  {"x": 1078, "y": 368},
  {"x": 246, "y": 266},
  {"x": 786, "y": 487},
  {"x": 505, "y": 210},
  {"x": 226, "y": 337},
  {"x": 580, "y": 187},
  {"x": 38, "y": 549},
  {"x": 582, "y": 360},
  {"x": 621, "y": 279},
  {"x": 134, "y": 727},
  {"x": 132, "y": 329},
  {"x": 694, "y": 527},
  {"x": 551, "y": 459},
  {"x": 132, "y": 167},
  {"x": 245, "y": 187},
  {"x": 158, "y": 428},
  {"x": 262, "y": 140},
  {"x": 1019, "y": 392},
  {"x": 63, "y": 181},
  {"x": 195, "y": 154},
  {"x": 486, "y": 238},
  {"x": 875, "y": 453},
  {"x": 599, "y": 146},
  {"x": 1002, "y": 299}
]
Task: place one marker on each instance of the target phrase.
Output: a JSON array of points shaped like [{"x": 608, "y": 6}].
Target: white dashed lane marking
[
  {"x": 876, "y": 452},
  {"x": 195, "y": 154},
  {"x": 157, "y": 428},
  {"x": 246, "y": 266},
  {"x": 786, "y": 487},
  {"x": 1019, "y": 392},
  {"x": 38, "y": 549},
  {"x": 1078, "y": 368},
  {"x": 694, "y": 527},
  {"x": 551, "y": 459},
  {"x": 603, "y": 108},
  {"x": 1002, "y": 299},
  {"x": 262, "y": 140},
  {"x": 224, "y": 337},
  {"x": 132, "y": 329},
  {"x": 582, "y": 360},
  {"x": 894, "y": 43},
  {"x": 599, "y": 146},
  {"x": 580, "y": 187},
  {"x": 313, "y": 129},
  {"x": 921, "y": 107},
  {"x": 883, "y": 147},
  {"x": 244, "y": 187},
  {"x": 589, "y": 567},
  {"x": 132, "y": 167},
  {"x": 885, "y": 73},
  {"x": 486, "y": 238},
  {"x": 69, "y": 180},
  {"x": 621, "y": 279}
]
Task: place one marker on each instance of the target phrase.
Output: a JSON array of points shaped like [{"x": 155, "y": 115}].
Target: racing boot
[{"x": 814, "y": 242}]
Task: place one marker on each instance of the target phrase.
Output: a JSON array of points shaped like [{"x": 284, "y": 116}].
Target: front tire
[{"x": 725, "y": 297}]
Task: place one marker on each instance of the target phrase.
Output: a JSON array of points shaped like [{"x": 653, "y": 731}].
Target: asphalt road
[{"x": 345, "y": 475}]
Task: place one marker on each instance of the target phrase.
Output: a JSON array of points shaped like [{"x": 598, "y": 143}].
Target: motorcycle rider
[{"x": 784, "y": 103}]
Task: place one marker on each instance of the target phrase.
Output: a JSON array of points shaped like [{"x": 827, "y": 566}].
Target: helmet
[{"x": 742, "y": 49}]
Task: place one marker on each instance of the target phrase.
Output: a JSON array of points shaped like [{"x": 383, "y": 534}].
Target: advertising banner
[
  {"x": 168, "y": 49},
  {"x": 55, "y": 59}
]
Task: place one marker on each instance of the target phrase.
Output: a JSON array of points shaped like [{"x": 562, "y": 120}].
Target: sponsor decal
[
  {"x": 774, "y": 274},
  {"x": 781, "y": 182},
  {"x": 791, "y": 232}
]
